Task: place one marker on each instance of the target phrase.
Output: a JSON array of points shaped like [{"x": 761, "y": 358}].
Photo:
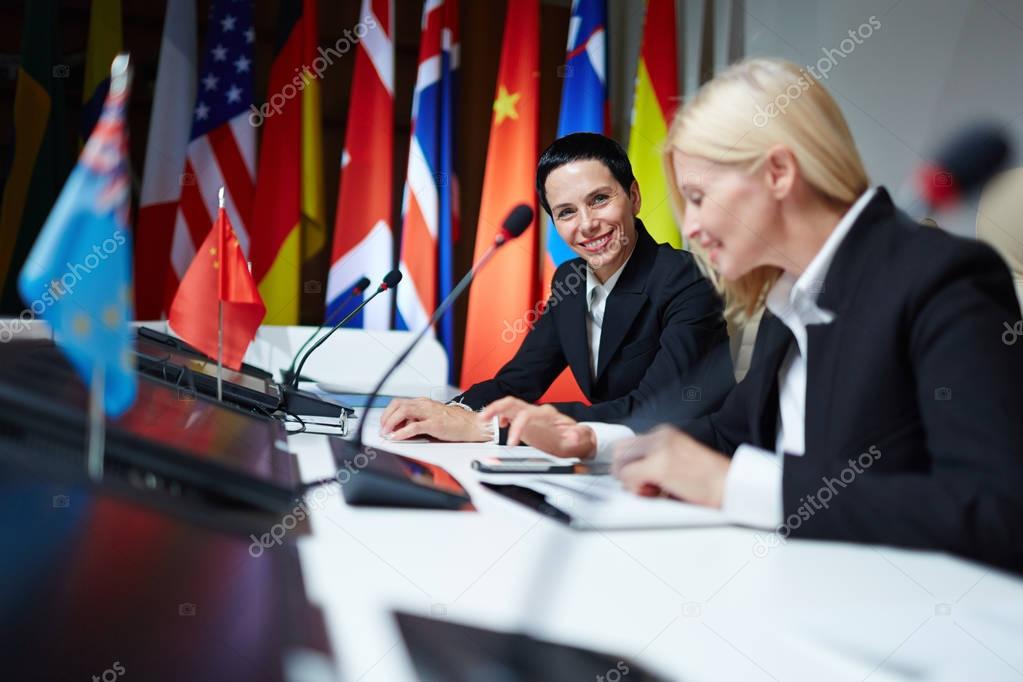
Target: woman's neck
[{"x": 808, "y": 227}]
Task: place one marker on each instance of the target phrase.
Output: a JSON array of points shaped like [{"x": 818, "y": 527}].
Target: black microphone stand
[{"x": 289, "y": 376}]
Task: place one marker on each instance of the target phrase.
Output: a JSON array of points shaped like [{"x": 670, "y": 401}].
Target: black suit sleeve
[
  {"x": 693, "y": 334},
  {"x": 531, "y": 370},
  {"x": 730, "y": 426},
  {"x": 724, "y": 430},
  {"x": 969, "y": 500}
]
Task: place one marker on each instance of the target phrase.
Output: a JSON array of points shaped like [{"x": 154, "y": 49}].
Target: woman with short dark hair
[{"x": 628, "y": 316}]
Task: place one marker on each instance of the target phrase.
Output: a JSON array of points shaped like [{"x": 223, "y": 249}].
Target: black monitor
[
  {"x": 443, "y": 651},
  {"x": 198, "y": 373},
  {"x": 171, "y": 441},
  {"x": 151, "y": 334},
  {"x": 251, "y": 388},
  {"x": 100, "y": 585}
]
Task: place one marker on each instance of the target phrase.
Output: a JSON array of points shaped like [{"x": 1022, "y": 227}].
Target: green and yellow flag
[
  {"x": 40, "y": 161},
  {"x": 654, "y": 103}
]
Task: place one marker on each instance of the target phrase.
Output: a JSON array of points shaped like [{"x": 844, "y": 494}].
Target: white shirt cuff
[
  {"x": 607, "y": 435},
  {"x": 495, "y": 431},
  {"x": 753, "y": 488}
]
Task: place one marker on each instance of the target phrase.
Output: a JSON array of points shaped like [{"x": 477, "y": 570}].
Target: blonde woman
[{"x": 881, "y": 404}]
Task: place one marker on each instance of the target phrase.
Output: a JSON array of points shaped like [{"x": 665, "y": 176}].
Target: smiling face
[
  {"x": 594, "y": 214},
  {"x": 730, "y": 213}
]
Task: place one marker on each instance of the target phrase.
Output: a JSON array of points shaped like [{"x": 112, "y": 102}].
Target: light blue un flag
[{"x": 78, "y": 274}]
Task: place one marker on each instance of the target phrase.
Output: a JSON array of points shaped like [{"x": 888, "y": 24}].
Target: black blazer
[
  {"x": 661, "y": 318},
  {"x": 913, "y": 372}
]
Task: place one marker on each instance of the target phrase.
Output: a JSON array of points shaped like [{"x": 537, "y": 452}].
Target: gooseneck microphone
[
  {"x": 391, "y": 280},
  {"x": 963, "y": 165},
  {"x": 515, "y": 224},
  {"x": 288, "y": 374}
]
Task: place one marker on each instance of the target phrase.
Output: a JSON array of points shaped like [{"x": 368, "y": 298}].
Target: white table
[{"x": 694, "y": 604}]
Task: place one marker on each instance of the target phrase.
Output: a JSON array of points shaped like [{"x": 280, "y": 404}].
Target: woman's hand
[
  {"x": 542, "y": 427},
  {"x": 668, "y": 461},
  {"x": 408, "y": 418}
]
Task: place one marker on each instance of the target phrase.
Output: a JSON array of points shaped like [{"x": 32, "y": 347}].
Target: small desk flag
[
  {"x": 218, "y": 273},
  {"x": 78, "y": 275}
]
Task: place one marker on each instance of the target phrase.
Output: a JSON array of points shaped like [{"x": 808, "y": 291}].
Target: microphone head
[
  {"x": 391, "y": 279},
  {"x": 362, "y": 285},
  {"x": 964, "y": 164},
  {"x": 520, "y": 218}
]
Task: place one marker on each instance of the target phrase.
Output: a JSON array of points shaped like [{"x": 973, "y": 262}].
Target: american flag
[
  {"x": 222, "y": 148},
  {"x": 430, "y": 202}
]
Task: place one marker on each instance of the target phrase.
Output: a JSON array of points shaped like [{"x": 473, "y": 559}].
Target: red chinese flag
[
  {"x": 218, "y": 272},
  {"x": 508, "y": 289}
]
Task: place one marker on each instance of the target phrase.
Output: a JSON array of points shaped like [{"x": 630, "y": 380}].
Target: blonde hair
[{"x": 736, "y": 118}]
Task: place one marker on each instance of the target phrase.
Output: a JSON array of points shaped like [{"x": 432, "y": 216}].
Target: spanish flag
[
  {"x": 654, "y": 103},
  {"x": 276, "y": 241},
  {"x": 40, "y": 162},
  {"x": 508, "y": 288},
  {"x": 104, "y": 43}
]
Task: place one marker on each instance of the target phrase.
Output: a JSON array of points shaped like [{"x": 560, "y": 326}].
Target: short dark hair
[{"x": 583, "y": 147}]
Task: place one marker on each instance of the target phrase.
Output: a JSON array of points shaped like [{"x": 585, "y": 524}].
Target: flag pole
[
  {"x": 120, "y": 75},
  {"x": 220, "y": 308},
  {"x": 97, "y": 424},
  {"x": 220, "y": 350}
]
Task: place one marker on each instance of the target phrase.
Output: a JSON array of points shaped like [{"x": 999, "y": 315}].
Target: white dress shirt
[
  {"x": 596, "y": 301},
  {"x": 597, "y": 294},
  {"x": 753, "y": 486}
]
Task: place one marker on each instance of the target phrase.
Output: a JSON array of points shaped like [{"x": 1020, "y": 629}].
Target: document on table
[{"x": 600, "y": 503}]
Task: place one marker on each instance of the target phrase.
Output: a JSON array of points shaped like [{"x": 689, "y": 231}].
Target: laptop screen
[
  {"x": 161, "y": 353},
  {"x": 43, "y": 402},
  {"x": 98, "y": 581},
  {"x": 203, "y": 428}
]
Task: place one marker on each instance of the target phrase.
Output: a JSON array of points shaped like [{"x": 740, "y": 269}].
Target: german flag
[
  {"x": 40, "y": 163},
  {"x": 314, "y": 212},
  {"x": 288, "y": 152}
]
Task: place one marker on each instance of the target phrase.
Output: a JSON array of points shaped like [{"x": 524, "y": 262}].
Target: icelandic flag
[
  {"x": 78, "y": 274},
  {"x": 429, "y": 204}
]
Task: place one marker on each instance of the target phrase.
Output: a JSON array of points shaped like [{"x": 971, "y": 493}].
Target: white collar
[
  {"x": 797, "y": 298},
  {"x": 608, "y": 285}
]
